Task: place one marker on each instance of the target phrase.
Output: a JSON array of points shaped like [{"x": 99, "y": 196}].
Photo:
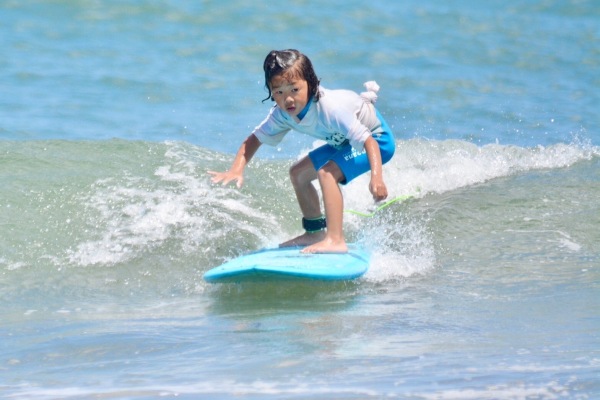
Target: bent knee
[
  {"x": 303, "y": 171},
  {"x": 331, "y": 169}
]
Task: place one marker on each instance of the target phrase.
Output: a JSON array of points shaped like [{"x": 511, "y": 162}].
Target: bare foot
[
  {"x": 306, "y": 239},
  {"x": 327, "y": 245}
]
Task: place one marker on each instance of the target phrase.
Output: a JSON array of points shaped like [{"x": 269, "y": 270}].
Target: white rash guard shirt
[{"x": 339, "y": 115}]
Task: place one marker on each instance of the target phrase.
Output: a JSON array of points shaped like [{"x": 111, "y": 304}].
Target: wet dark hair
[{"x": 293, "y": 64}]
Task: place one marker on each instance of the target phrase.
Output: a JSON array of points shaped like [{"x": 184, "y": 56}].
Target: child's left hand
[{"x": 378, "y": 190}]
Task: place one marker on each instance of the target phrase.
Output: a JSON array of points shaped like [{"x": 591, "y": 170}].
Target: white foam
[
  {"x": 441, "y": 166},
  {"x": 127, "y": 215},
  {"x": 130, "y": 215},
  {"x": 399, "y": 248},
  {"x": 421, "y": 167},
  {"x": 10, "y": 265},
  {"x": 226, "y": 387}
]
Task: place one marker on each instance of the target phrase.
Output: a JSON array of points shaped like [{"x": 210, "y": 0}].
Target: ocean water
[{"x": 485, "y": 285}]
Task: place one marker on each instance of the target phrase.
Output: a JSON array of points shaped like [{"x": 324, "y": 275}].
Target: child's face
[{"x": 290, "y": 94}]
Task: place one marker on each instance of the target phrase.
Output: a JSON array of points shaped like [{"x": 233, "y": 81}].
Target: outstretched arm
[
  {"x": 377, "y": 186},
  {"x": 242, "y": 158}
]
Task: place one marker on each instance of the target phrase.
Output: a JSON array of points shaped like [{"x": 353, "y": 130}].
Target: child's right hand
[
  {"x": 226, "y": 177},
  {"x": 242, "y": 158}
]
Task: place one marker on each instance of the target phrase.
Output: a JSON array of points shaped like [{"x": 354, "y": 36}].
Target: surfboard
[{"x": 289, "y": 263}]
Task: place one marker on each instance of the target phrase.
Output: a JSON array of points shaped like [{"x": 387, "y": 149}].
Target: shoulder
[
  {"x": 333, "y": 96},
  {"x": 338, "y": 104}
]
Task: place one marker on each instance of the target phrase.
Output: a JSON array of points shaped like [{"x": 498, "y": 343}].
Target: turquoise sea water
[{"x": 486, "y": 285}]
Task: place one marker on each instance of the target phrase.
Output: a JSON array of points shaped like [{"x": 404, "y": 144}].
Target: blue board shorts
[{"x": 351, "y": 162}]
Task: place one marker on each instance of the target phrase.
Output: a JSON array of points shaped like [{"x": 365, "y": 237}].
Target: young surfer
[{"x": 358, "y": 140}]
